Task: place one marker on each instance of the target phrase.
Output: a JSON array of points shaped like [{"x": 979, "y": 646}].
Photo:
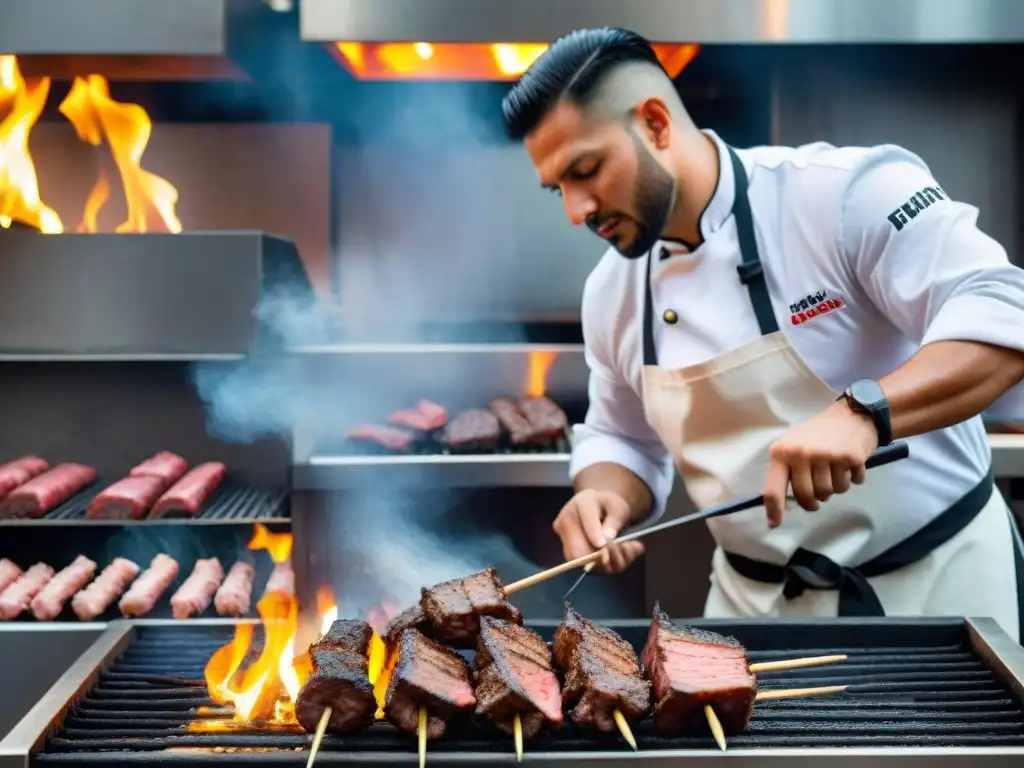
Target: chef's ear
[{"x": 655, "y": 120}]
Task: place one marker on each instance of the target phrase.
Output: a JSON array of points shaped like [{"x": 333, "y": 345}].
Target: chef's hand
[
  {"x": 589, "y": 521},
  {"x": 819, "y": 458}
]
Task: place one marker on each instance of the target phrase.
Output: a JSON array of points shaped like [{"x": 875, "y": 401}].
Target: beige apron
[{"x": 718, "y": 420}]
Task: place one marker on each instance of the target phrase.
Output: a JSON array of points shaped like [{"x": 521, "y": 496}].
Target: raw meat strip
[
  {"x": 147, "y": 589},
  {"x": 188, "y": 494},
  {"x": 235, "y": 595},
  {"x": 194, "y": 596},
  {"x": 127, "y": 499},
  {"x": 107, "y": 587},
  {"x": 18, "y": 596},
  {"x": 46, "y": 491},
  {"x": 19, "y": 472},
  {"x": 170, "y": 466},
  {"x": 48, "y": 604}
]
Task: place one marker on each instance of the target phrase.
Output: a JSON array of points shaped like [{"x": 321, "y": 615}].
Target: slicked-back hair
[{"x": 572, "y": 67}]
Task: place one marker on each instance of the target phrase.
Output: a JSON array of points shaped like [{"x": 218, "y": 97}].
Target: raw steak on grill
[
  {"x": 170, "y": 466},
  {"x": 425, "y": 417},
  {"x": 601, "y": 673},
  {"x": 410, "y": 618},
  {"x": 46, "y": 491},
  {"x": 455, "y": 607},
  {"x": 472, "y": 430},
  {"x": 186, "y": 497},
  {"x": 19, "y": 472},
  {"x": 692, "y": 667},
  {"x": 426, "y": 674},
  {"x": 514, "y": 676},
  {"x": 340, "y": 680},
  {"x": 127, "y": 499},
  {"x": 378, "y": 438}
]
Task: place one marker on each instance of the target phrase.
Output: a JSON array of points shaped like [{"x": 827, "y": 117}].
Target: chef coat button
[{"x": 670, "y": 317}]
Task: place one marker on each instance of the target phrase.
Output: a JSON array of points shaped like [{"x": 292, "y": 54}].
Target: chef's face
[{"x": 611, "y": 175}]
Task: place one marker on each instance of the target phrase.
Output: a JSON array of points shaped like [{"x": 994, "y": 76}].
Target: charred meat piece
[
  {"x": 411, "y": 618},
  {"x": 340, "y": 680},
  {"x": 514, "y": 675},
  {"x": 375, "y": 438},
  {"x": 472, "y": 430},
  {"x": 520, "y": 431},
  {"x": 601, "y": 673},
  {"x": 548, "y": 422},
  {"x": 425, "y": 417},
  {"x": 691, "y": 667},
  {"x": 454, "y": 607},
  {"x": 426, "y": 674}
]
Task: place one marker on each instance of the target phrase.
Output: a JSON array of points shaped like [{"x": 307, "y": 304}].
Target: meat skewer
[
  {"x": 454, "y": 607},
  {"x": 602, "y": 675},
  {"x": 18, "y": 596},
  {"x": 147, "y": 589},
  {"x": 194, "y": 595},
  {"x": 50, "y": 601},
  {"x": 105, "y": 589},
  {"x": 515, "y": 685},
  {"x": 235, "y": 595},
  {"x": 339, "y": 691}
]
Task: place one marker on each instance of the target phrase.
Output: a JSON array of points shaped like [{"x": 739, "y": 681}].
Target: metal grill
[
  {"x": 927, "y": 687},
  {"x": 230, "y": 503}
]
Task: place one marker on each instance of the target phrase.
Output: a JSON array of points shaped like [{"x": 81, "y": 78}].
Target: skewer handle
[
  {"x": 421, "y": 732},
  {"x": 799, "y": 693},
  {"x": 808, "y": 661},
  {"x": 550, "y": 573},
  {"x": 624, "y": 729},
  {"x": 321, "y": 729},
  {"x": 716, "y": 726}
]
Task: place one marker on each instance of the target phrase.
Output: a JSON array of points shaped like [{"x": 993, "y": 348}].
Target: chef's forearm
[
  {"x": 614, "y": 478},
  {"x": 947, "y": 382}
]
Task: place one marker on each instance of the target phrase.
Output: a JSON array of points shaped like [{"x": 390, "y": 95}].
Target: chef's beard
[{"x": 654, "y": 196}]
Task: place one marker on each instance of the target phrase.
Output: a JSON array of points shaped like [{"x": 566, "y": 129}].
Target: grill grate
[
  {"x": 920, "y": 686},
  {"x": 230, "y": 503}
]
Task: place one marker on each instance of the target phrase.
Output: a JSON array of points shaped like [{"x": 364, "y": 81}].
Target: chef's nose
[{"x": 579, "y": 206}]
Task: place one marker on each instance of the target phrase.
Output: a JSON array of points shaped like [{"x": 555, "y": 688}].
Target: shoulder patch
[{"x": 920, "y": 200}]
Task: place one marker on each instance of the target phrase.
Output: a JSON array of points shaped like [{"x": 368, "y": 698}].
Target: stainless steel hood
[
  {"x": 669, "y": 21},
  {"x": 113, "y": 27}
]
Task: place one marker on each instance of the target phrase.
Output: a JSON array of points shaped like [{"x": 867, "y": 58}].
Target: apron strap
[
  {"x": 809, "y": 570},
  {"x": 750, "y": 270}
]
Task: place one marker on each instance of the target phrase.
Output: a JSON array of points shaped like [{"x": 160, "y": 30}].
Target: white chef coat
[{"x": 827, "y": 220}]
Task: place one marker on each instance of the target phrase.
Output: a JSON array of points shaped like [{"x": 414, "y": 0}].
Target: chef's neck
[{"x": 696, "y": 165}]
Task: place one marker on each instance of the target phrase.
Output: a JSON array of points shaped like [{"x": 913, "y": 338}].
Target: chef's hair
[{"x": 578, "y": 67}]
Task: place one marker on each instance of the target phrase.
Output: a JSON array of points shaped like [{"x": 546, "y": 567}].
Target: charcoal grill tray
[{"x": 926, "y": 692}]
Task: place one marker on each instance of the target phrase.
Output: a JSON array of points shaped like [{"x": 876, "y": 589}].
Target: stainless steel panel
[
  {"x": 187, "y": 27},
  {"x": 1007, "y": 455},
  {"x": 695, "y": 21},
  {"x": 154, "y": 295}
]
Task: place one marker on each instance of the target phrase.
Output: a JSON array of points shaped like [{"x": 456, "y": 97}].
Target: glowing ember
[
  {"x": 20, "y": 107},
  {"x": 151, "y": 199},
  {"x": 538, "y": 365}
]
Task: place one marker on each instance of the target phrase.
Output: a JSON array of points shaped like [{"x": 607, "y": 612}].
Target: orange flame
[
  {"x": 279, "y": 545},
  {"x": 19, "y": 186},
  {"x": 127, "y": 127},
  {"x": 538, "y": 365}
]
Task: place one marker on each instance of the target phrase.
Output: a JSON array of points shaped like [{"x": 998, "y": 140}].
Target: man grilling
[{"x": 763, "y": 321}]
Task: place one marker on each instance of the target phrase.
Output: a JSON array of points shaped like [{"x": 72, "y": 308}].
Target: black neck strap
[{"x": 750, "y": 271}]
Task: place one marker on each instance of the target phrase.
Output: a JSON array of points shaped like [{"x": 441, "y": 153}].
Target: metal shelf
[
  {"x": 1007, "y": 455},
  {"x": 501, "y": 470}
]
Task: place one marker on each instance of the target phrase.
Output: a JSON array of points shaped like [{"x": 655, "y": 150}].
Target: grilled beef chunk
[
  {"x": 520, "y": 431},
  {"x": 425, "y": 417},
  {"x": 692, "y": 667},
  {"x": 472, "y": 430},
  {"x": 455, "y": 607},
  {"x": 340, "y": 680},
  {"x": 514, "y": 676},
  {"x": 601, "y": 673},
  {"x": 375, "y": 438},
  {"x": 548, "y": 422},
  {"x": 429, "y": 675},
  {"x": 410, "y": 618}
]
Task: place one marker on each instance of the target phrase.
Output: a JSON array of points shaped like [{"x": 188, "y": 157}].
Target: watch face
[{"x": 867, "y": 392}]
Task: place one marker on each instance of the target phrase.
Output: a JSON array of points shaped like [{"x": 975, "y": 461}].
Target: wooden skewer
[
  {"x": 624, "y": 729},
  {"x": 716, "y": 726},
  {"x": 421, "y": 731},
  {"x": 321, "y": 729},
  {"x": 809, "y": 661},
  {"x": 550, "y": 573},
  {"x": 517, "y": 736},
  {"x": 798, "y": 693}
]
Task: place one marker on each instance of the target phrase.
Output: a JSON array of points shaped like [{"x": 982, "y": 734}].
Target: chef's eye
[{"x": 586, "y": 173}]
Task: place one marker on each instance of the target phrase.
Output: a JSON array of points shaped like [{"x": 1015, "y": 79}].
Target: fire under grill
[{"x": 934, "y": 691}]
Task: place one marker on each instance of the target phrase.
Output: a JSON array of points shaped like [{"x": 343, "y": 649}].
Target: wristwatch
[{"x": 866, "y": 396}]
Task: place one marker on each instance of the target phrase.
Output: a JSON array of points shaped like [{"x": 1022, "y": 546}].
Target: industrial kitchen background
[{"x": 293, "y": 241}]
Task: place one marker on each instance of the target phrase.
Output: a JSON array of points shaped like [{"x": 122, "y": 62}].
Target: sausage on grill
[
  {"x": 282, "y": 579},
  {"x": 234, "y": 597},
  {"x": 127, "y": 499},
  {"x": 9, "y": 573},
  {"x": 147, "y": 589},
  {"x": 194, "y": 596},
  {"x": 18, "y": 596},
  {"x": 170, "y": 466},
  {"x": 48, "y": 604},
  {"x": 46, "y": 491},
  {"x": 188, "y": 494},
  {"x": 105, "y": 589}
]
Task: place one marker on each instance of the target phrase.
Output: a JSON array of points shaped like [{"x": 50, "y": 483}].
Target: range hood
[{"x": 665, "y": 21}]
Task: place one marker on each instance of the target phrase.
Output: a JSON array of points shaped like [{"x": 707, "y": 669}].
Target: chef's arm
[{"x": 945, "y": 284}]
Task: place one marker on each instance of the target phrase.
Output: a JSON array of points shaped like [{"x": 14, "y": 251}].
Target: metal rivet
[{"x": 670, "y": 317}]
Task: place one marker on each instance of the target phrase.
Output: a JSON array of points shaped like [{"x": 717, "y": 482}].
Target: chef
[{"x": 763, "y": 321}]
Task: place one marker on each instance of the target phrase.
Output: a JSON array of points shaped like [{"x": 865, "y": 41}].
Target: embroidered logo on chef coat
[
  {"x": 917, "y": 203},
  {"x": 813, "y": 305}
]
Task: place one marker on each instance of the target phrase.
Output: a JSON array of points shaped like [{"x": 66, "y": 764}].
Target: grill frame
[{"x": 988, "y": 641}]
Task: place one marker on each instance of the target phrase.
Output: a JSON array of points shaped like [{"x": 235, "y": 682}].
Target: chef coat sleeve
[
  {"x": 615, "y": 429},
  {"x": 922, "y": 260}
]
